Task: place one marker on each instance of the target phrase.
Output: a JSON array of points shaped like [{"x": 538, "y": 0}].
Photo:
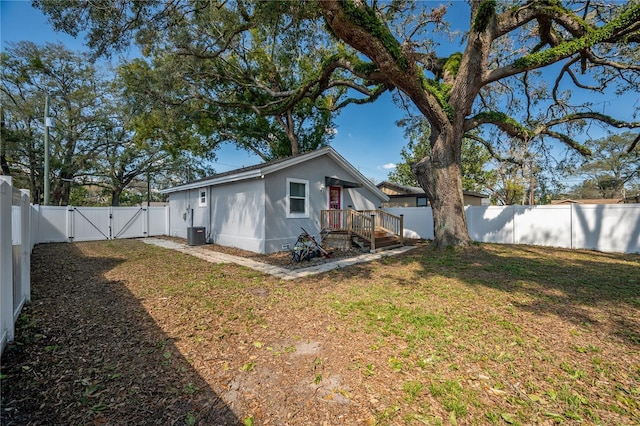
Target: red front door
[
  {"x": 334, "y": 204},
  {"x": 334, "y": 197}
]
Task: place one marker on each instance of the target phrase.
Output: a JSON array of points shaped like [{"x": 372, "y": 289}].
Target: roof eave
[{"x": 252, "y": 174}]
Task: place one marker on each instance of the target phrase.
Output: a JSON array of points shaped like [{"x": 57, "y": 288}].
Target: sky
[{"x": 367, "y": 135}]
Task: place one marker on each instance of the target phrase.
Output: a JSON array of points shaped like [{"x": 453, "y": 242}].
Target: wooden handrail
[
  {"x": 363, "y": 226},
  {"x": 390, "y": 223}
]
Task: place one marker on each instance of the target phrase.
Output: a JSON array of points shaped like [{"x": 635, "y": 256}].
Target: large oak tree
[{"x": 504, "y": 46}]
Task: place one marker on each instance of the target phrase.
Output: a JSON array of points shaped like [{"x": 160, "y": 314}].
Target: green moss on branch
[
  {"x": 486, "y": 11},
  {"x": 441, "y": 92},
  {"x": 628, "y": 17},
  {"x": 452, "y": 64},
  {"x": 366, "y": 18},
  {"x": 502, "y": 120}
]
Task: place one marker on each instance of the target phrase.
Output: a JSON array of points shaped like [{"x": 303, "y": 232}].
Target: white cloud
[{"x": 388, "y": 166}]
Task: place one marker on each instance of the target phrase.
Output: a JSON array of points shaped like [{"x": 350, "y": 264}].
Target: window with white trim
[
  {"x": 297, "y": 198},
  {"x": 202, "y": 198}
]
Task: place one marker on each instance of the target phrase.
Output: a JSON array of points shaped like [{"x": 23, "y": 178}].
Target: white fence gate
[
  {"x": 15, "y": 256},
  {"x": 65, "y": 224}
]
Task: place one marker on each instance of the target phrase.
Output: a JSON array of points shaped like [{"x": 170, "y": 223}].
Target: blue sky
[{"x": 367, "y": 135}]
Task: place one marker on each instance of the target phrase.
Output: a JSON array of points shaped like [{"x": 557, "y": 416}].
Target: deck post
[
  {"x": 402, "y": 229},
  {"x": 373, "y": 233}
]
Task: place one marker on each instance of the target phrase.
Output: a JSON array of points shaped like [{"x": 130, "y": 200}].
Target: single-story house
[
  {"x": 413, "y": 196},
  {"x": 262, "y": 208}
]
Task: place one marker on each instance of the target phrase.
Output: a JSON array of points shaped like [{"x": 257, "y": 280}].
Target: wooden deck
[{"x": 373, "y": 229}]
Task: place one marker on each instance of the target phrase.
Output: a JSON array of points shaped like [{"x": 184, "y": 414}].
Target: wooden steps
[{"x": 386, "y": 241}]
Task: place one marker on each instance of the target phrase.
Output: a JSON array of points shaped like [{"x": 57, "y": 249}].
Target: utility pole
[{"x": 47, "y": 123}]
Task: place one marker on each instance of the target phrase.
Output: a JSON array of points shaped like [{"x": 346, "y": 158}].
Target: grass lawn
[{"x": 121, "y": 332}]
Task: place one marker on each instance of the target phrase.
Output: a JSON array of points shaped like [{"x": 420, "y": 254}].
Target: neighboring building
[
  {"x": 262, "y": 208},
  {"x": 413, "y": 196},
  {"x": 634, "y": 199},
  {"x": 590, "y": 201}
]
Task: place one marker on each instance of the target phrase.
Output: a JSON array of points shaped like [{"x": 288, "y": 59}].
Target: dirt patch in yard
[{"x": 121, "y": 332}]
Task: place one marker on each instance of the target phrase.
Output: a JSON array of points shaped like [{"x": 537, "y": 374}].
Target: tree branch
[
  {"x": 568, "y": 141},
  {"x": 501, "y": 120},
  {"x": 624, "y": 25},
  {"x": 492, "y": 152},
  {"x": 594, "y": 116}
]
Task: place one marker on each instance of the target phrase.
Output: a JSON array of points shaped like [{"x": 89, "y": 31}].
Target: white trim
[
  {"x": 252, "y": 174},
  {"x": 306, "y": 199},
  {"x": 202, "y": 203}
]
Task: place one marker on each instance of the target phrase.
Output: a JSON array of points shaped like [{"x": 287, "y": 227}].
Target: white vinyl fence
[
  {"x": 67, "y": 224},
  {"x": 603, "y": 227},
  {"x": 15, "y": 256}
]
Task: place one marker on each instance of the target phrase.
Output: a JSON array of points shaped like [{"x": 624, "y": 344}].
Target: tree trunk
[
  {"x": 4, "y": 165},
  {"x": 115, "y": 196},
  {"x": 440, "y": 175}
]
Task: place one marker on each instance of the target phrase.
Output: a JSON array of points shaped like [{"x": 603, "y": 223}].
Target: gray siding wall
[
  {"x": 238, "y": 214},
  {"x": 179, "y": 214},
  {"x": 280, "y": 230},
  {"x": 361, "y": 199},
  {"x": 185, "y": 211}
]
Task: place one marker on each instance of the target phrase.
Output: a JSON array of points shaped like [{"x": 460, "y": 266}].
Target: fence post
[
  {"x": 167, "y": 221},
  {"x": 571, "y": 238},
  {"x": 36, "y": 216},
  {"x": 25, "y": 247},
  {"x": 70, "y": 224},
  {"x": 145, "y": 221},
  {"x": 6, "y": 263},
  {"x": 401, "y": 229}
]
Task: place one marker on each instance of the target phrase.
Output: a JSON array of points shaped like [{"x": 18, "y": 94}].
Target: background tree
[
  {"x": 476, "y": 176},
  {"x": 99, "y": 139},
  {"x": 612, "y": 169},
  {"x": 22, "y": 108},
  {"x": 262, "y": 75},
  {"x": 496, "y": 81},
  {"x": 131, "y": 149},
  {"x": 30, "y": 73}
]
